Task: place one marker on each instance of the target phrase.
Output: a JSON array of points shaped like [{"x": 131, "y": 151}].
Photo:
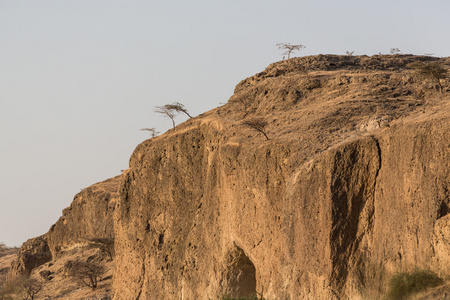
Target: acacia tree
[
  {"x": 258, "y": 124},
  {"x": 30, "y": 287},
  {"x": 87, "y": 273},
  {"x": 167, "y": 112},
  {"x": 433, "y": 72},
  {"x": 289, "y": 48},
  {"x": 178, "y": 107},
  {"x": 152, "y": 131}
]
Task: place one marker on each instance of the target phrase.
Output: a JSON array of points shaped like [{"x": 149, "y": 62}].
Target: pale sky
[{"x": 79, "y": 78}]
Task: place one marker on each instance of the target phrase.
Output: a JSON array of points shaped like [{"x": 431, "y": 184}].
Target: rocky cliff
[
  {"x": 352, "y": 186},
  {"x": 89, "y": 216}
]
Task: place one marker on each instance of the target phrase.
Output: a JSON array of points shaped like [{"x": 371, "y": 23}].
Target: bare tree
[
  {"x": 395, "y": 51},
  {"x": 30, "y": 287},
  {"x": 23, "y": 287},
  {"x": 167, "y": 112},
  {"x": 433, "y": 72},
  {"x": 106, "y": 245},
  {"x": 152, "y": 131},
  {"x": 87, "y": 273},
  {"x": 258, "y": 124},
  {"x": 289, "y": 48},
  {"x": 178, "y": 107}
]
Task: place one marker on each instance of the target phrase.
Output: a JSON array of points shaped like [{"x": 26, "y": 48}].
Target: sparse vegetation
[
  {"x": 429, "y": 71},
  {"x": 395, "y": 51},
  {"x": 349, "y": 53},
  {"x": 106, "y": 245},
  {"x": 152, "y": 131},
  {"x": 178, "y": 107},
  {"x": 88, "y": 273},
  {"x": 5, "y": 250},
  {"x": 404, "y": 284},
  {"x": 169, "y": 111},
  {"x": 258, "y": 124},
  {"x": 289, "y": 48},
  {"x": 21, "y": 288}
]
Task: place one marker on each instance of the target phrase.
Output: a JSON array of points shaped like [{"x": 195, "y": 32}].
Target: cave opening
[{"x": 240, "y": 275}]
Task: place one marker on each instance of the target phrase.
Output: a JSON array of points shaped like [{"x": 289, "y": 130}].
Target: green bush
[{"x": 405, "y": 284}]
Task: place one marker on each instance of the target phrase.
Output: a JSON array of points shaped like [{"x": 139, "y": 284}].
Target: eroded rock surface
[{"x": 351, "y": 187}]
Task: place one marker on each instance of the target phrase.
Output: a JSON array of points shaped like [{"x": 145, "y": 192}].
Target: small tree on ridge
[
  {"x": 167, "y": 112},
  {"x": 289, "y": 48},
  {"x": 433, "y": 72}
]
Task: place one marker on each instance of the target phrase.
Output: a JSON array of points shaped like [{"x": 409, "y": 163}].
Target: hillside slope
[{"x": 352, "y": 186}]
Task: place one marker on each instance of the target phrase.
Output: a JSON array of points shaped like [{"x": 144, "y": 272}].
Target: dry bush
[
  {"x": 87, "y": 273},
  {"x": 429, "y": 71},
  {"x": 21, "y": 288},
  {"x": 152, "y": 131},
  {"x": 105, "y": 245},
  {"x": 5, "y": 250},
  {"x": 258, "y": 124},
  {"x": 404, "y": 284}
]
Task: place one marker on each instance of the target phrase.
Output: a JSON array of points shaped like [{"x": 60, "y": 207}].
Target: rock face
[
  {"x": 32, "y": 254},
  {"x": 352, "y": 186},
  {"x": 90, "y": 215}
]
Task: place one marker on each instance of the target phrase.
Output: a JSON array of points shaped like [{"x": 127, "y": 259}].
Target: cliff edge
[{"x": 351, "y": 185}]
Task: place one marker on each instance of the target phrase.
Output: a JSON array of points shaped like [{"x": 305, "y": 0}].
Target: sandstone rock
[
  {"x": 352, "y": 187},
  {"x": 32, "y": 254},
  {"x": 326, "y": 209}
]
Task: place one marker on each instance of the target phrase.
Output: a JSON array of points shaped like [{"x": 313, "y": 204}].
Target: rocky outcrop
[
  {"x": 351, "y": 187},
  {"x": 32, "y": 254},
  {"x": 89, "y": 216}
]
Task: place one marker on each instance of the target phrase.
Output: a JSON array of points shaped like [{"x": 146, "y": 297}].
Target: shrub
[
  {"x": 405, "y": 284},
  {"x": 106, "y": 245},
  {"x": 433, "y": 72},
  {"x": 258, "y": 124},
  {"x": 87, "y": 273},
  {"x": 21, "y": 288}
]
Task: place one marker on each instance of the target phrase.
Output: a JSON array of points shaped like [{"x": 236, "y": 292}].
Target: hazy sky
[{"x": 79, "y": 78}]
